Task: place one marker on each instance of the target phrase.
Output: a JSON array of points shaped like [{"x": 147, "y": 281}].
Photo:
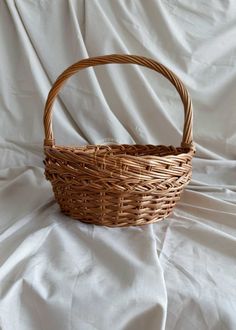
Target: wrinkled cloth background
[{"x": 56, "y": 273}]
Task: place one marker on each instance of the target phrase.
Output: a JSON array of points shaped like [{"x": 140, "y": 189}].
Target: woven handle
[{"x": 123, "y": 59}]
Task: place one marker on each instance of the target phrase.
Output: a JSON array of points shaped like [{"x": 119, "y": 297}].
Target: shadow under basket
[{"x": 118, "y": 185}]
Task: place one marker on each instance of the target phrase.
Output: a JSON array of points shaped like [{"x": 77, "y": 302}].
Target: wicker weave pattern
[{"x": 118, "y": 185}]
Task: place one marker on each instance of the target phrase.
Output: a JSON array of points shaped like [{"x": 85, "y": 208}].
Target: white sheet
[{"x": 57, "y": 273}]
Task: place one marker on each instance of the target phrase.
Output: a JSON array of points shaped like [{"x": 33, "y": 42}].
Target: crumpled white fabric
[{"x": 57, "y": 273}]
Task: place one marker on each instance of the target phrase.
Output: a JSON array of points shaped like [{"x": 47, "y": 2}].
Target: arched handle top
[{"x": 187, "y": 140}]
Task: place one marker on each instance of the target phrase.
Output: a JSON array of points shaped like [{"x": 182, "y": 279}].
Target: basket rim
[{"x": 184, "y": 151}]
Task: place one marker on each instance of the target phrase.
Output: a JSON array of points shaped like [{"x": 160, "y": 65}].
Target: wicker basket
[{"x": 118, "y": 185}]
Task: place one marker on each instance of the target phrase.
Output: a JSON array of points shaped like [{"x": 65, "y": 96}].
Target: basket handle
[{"x": 187, "y": 140}]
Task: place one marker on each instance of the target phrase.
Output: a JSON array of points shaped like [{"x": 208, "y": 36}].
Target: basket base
[
  {"x": 145, "y": 211},
  {"x": 135, "y": 223}
]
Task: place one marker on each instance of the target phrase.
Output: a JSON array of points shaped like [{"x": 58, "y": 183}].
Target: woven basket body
[{"x": 118, "y": 185}]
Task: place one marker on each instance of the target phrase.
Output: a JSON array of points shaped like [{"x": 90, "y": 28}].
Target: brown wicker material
[{"x": 118, "y": 185}]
